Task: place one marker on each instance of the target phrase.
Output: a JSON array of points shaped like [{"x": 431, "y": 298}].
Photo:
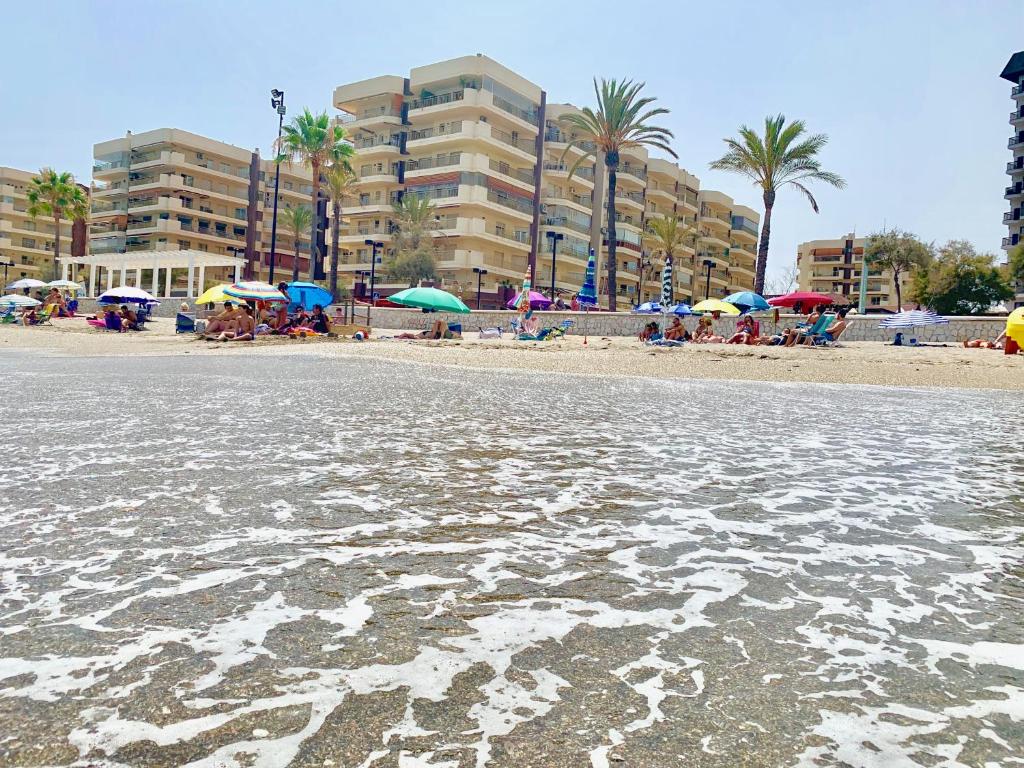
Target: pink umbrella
[{"x": 537, "y": 301}]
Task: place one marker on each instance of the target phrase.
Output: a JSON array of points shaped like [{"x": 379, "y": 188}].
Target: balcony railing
[
  {"x": 515, "y": 173},
  {"x": 1014, "y": 189},
  {"x": 377, "y": 141},
  {"x": 519, "y": 237},
  {"x": 566, "y": 222},
  {"x": 557, "y": 137},
  {"x": 513, "y": 141},
  {"x": 582, "y": 171},
  {"x": 108, "y": 165},
  {"x": 633, "y": 170},
  {"x": 510, "y": 201},
  {"x": 688, "y": 197},
  {"x": 1011, "y": 241},
  {"x": 445, "y": 129},
  {"x": 1015, "y": 165},
  {"x": 1017, "y": 90},
  {"x": 1017, "y": 114},
  {"x": 512, "y": 109},
  {"x": 1015, "y": 141},
  {"x": 435, "y": 193},
  {"x": 709, "y": 214},
  {"x": 1011, "y": 216},
  {"x": 746, "y": 226},
  {"x": 441, "y": 98},
  {"x": 636, "y": 197},
  {"x": 367, "y": 114},
  {"x": 438, "y": 161}
]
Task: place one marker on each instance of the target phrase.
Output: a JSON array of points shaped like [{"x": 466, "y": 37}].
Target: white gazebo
[{"x": 136, "y": 261}]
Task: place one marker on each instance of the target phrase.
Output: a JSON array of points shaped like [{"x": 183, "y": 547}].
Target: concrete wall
[{"x": 625, "y": 324}]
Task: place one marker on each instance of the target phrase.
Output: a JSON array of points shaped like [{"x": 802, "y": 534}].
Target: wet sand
[{"x": 870, "y": 363}]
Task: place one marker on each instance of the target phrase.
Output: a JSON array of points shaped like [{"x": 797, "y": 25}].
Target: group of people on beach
[
  {"x": 244, "y": 321},
  {"x": 748, "y": 332}
]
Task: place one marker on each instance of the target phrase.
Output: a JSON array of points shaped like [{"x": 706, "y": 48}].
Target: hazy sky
[{"x": 908, "y": 91}]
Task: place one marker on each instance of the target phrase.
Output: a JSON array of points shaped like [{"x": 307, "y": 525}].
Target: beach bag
[{"x": 490, "y": 333}]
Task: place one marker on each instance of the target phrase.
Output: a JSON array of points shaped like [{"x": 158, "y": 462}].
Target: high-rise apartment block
[{"x": 1014, "y": 218}]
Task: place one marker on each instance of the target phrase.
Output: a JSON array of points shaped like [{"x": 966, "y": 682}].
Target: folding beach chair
[{"x": 184, "y": 323}]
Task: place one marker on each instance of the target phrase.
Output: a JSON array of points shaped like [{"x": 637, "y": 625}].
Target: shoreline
[{"x": 859, "y": 363}]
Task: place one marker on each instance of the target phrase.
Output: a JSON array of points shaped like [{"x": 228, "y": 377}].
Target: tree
[
  {"x": 1016, "y": 266},
  {"x": 668, "y": 235},
  {"x": 312, "y": 141},
  {"x": 413, "y": 257},
  {"x": 900, "y": 253},
  {"x": 961, "y": 281},
  {"x": 297, "y": 220},
  {"x": 56, "y": 195},
  {"x": 785, "y": 281},
  {"x": 773, "y": 161},
  {"x": 619, "y": 122},
  {"x": 340, "y": 184}
]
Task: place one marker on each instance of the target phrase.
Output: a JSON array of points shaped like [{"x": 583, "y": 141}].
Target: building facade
[
  {"x": 488, "y": 149},
  {"x": 26, "y": 243},
  {"x": 1014, "y": 194},
  {"x": 168, "y": 190},
  {"x": 834, "y": 266}
]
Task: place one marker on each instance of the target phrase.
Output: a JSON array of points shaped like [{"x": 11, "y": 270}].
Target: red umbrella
[{"x": 807, "y": 298}]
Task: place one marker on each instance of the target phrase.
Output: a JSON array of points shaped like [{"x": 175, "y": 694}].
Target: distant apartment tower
[
  {"x": 487, "y": 148},
  {"x": 1014, "y": 218},
  {"x": 26, "y": 243},
  {"x": 168, "y": 189},
  {"x": 834, "y": 266}
]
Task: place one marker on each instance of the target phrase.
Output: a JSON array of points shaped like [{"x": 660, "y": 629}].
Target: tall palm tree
[
  {"x": 340, "y": 184},
  {"x": 620, "y": 122},
  {"x": 668, "y": 235},
  {"x": 58, "y": 196},
  {"x": 778, "y": 158},
  {"x": 312, "y": 141},
  {"x": 297, "y": 220}
]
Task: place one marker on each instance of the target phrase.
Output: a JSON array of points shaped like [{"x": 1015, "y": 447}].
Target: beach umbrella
[
  {"x": 18, "y": 300},
  {"x": 254, "y": 290},
  {"x": 748, "y": 301},
  {"x": 649, "y": 308},
  {"x": 912, "y": 319},
  {"x": 214, "y": 295},
  {"x": 537, "y": 301},
  {"x": 802, "y": 297},
  {"x": 126, "y": 294},
  {"x": 681, "y": 310},
  {"x": 1015, "y": 326},
  {"x": 716, "y": 305},
  {"x": 666, "y": 283},
  {"x": 307, "y": 294},
  {"x": 25, "y": 282},
  {"x": 588, "y": 293},
  {"x": 430, "y": 298},
  {"x": 67, "y": 285}
]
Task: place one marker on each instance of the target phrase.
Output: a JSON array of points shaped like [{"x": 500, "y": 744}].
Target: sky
[{"x": 907, "y": 91}]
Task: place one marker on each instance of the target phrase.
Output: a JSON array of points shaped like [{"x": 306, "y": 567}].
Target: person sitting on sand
[
  {"x": 677, "y": 331},
  {"x": 706, "y": 333},
  {"x": 831, "y": 333},
  {"x": 244, "y": 328},
  {"x": 999, "y": 343},
  {"x": 438, "y": 330},
  {"x": 651, "y": 332},
  {"x": 319, "y": 321},
  {"x": 112, "y": 320},
  {"x": 745, "y": 332},
  {"x": 129, "y": 320},
  {"x": 221, "y": 322}
]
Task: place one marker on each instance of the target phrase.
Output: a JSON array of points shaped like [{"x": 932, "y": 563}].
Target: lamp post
[
  {"x": 643, "y": 264},
  {"x": 374, "y": 245},
  {"x": 554, "y": 237},
  {"x": 709, "y": 265},
  {"x": 5, "y": 265},
  {"x": 277, "y": 102},
  {"x": 479, "y": 283}
]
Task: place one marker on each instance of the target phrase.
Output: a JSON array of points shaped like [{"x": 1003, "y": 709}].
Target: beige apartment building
[
  {"x": 26, "y": 244},
  {"x": 168, "y": 189},
  {"x": 1014, "y": 194},
  {"x": 829, "y": 266},
  {"x": 484, "y": 145}
]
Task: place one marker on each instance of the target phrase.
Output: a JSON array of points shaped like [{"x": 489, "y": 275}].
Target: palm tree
[
  {"x": 620, "y": 122},
  {"x": 773, "y": 161},
  {"x": 297, "y": 220},
  {"x": 340, "y": 184},
  {"x": 312, "y": 141},
  {"x": 56, "y": 195},
  {"x": 669, "y": 234}
]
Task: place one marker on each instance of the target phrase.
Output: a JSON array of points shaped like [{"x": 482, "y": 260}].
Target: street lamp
[
  {"x": 5, "y": 265},
  {"x": 277, "y": 102},
  {"x": 374, "y": 245},
  {"x": 479, "y": 283},
  {"x": 554, "y": 237},
  {"x": 643, "y": 264},
  {"x": 709, "y": 265}
]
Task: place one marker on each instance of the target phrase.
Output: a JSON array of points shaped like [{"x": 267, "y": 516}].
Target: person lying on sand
[
  {"x": 999, "y": 343},
  {"x": 438, "y": 330},
  {"x": 706, "y": 334}
]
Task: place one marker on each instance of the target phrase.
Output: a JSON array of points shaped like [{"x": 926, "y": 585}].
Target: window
[
  {"x": 240, "y": 213},
  {"x": 28, "y": 242},
  {"x": 364, "y": 199}
]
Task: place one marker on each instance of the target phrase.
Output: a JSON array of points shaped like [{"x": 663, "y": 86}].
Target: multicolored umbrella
[
  {"x": 588, "y": 293},
  {"x": 666, "y": 283},
  {"x": 716, "y": 305},
  {"x": 254, "y": 290},
  {"x": 430, "y": 298}
]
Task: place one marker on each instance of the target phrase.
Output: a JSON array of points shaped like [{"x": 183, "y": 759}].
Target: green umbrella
[{"x": 430, "y": 298}]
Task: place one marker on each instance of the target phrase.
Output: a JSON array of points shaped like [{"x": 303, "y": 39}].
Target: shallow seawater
[{"x": 271, "y": 562}]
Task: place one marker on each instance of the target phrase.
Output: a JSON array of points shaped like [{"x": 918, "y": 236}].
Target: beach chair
[
  {"x": 541, "y": 335},
  {"x": 9, "y": 315},
  {"x": 184, "y": 323},
  {"x": 43, "y": 315},
  {"x": 825, "y": 339},
  {"x": 824, "y": 321},
  {"x": 514, "y": 326}
]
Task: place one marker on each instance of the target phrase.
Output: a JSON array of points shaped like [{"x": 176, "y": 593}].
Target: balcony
[
  {"x": 445, "y": 129},
  {"x": 566, "y": 223},
  {"x": 433, "y": 101},
  {"x": 377, "y": 141},
  {"x": 689, "y": 198},
  {"x": 509, "y": 201},
  {"x": 1016, "y": 115},
  {"x": 1017, "y": 90},
  {"x": 438, "y": 161},
  {"x": 1011, "y": 216},
  {"x": 1014, "y": 190},
  {"x": 1015, "y": 141},
  {"x": 557, "y": 137},
  {"x": 524, "y": 145},
  {"x": 583, "y": 172},
  {"x": 1015, "y": 166},
  {"x": 1012, "y": 240},
  {"x": 633, "y": 170},
  {"x": 519, "y": 174}
]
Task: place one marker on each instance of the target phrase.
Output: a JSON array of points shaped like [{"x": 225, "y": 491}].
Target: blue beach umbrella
[
  {"x": 588, "y": 293},
  {"x": 649, "y": 308},
  {"x": 305, "y": 295},
  {"x": 748, "y": 301},
  {"x": 680, "y": 310},
  {"x": 912, "y": 319}
]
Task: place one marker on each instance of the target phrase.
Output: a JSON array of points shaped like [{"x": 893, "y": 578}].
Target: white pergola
[{"x": 136, "y": 261}]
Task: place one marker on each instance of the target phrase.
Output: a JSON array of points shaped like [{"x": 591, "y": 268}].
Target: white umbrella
[
  {"x": 17, "y": 300},
  {"x": 25, "y": 282},
  {"x": 69, "y": 285},
  {"x": 127, "y": 293}
]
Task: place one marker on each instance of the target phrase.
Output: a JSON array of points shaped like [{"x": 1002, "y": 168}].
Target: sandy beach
[{"x": 854, "y": 363}]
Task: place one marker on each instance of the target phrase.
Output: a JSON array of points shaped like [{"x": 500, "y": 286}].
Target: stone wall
[{"x": 628, "y": 324}]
